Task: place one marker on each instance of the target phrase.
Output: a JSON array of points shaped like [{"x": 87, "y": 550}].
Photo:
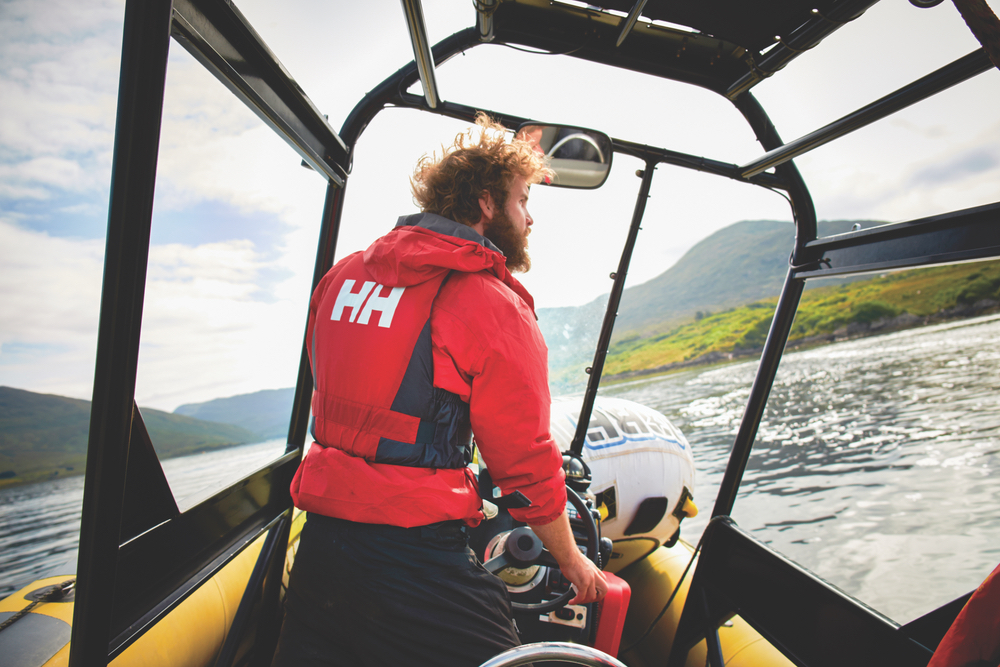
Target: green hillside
[
  {"x": 739, "y": 264},
  {"x": 43, "y": 436},
  {"x": 880, "y": 304}
]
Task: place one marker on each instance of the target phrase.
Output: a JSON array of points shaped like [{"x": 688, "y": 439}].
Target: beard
[{"x": 512, "y": 243}]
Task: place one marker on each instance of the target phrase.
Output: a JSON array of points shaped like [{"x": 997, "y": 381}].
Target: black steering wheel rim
[{"x": 593, "y": 553}]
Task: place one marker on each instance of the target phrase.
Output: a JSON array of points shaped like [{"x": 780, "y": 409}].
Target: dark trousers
[{"x": 368, "y": 595}]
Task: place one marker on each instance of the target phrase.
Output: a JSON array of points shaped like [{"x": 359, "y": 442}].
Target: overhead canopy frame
[
  {"x": 119, "y": 598},
  {"x": 222, "y": 40},
  {"x": 422, "y": 50}
]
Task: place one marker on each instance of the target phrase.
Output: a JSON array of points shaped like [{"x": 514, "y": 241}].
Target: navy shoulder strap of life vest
[{"x": 444, "y": 437}]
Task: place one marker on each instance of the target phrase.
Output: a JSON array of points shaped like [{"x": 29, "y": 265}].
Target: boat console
[{"x": 539, "y": 593}]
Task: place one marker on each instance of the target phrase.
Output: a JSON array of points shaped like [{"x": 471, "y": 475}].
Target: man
[{"x": 415, "y": 344}]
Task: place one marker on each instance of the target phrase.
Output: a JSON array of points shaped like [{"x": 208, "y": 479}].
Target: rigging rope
[
  {"x": 984, "y": 24},
  {"x": 56, "y": 593}
]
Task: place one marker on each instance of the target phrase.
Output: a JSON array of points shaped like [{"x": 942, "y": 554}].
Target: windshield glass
[
  {"x": 936, "y": 156},
  {"x": 236, "y": 219},
  {"x": 233, "y": 238},
  {"x": 708, "y": 267}
]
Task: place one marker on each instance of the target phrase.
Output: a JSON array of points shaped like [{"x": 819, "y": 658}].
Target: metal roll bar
[
  {"x": 422, "y": 50},
  {"x": 964, "y": 68}
]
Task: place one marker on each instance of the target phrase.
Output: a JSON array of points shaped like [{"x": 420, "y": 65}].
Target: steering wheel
[
  {"x": 577, "y": 654},
  {"x": 588, "y": 139},
  {"x": 524, "y": 549}
]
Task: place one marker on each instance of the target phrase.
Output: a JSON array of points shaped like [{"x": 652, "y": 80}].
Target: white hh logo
[{"x": 354, "y": 300}]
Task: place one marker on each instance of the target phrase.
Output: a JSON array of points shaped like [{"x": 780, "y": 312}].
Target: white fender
[{"x": 636, "y": 456}]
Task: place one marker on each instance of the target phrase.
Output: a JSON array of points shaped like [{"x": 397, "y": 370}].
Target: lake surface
[
  {"x": 875, "y": 466},
  {"x": 40, "y": 523}
]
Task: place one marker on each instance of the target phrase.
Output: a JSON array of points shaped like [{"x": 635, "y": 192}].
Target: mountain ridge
[
  {"x": 44, "y": 436},
  {"x": 750, "y": 256},
  {"x": 265, "y": 412}
]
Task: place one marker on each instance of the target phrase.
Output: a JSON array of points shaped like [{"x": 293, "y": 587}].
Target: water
[
  {"x": 875, "y": 466},
  {"x": 40, "y": 523}
]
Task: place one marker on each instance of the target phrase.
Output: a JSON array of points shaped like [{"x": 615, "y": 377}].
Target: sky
[{"x": 236, "y": 216}]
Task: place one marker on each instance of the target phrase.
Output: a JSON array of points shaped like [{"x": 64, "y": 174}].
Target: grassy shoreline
[
  {"x": 708, "y": 361},
  {"x": 887, "y": 303}
]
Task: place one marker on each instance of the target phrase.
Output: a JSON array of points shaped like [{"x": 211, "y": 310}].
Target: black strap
[{"x": 486, "y": 486}]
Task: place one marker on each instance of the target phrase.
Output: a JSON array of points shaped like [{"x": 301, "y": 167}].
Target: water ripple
[
  {"x": 873, "y": 467},
  {"x": 40, "y": 523},
  {"x": 874, "y": 462}
]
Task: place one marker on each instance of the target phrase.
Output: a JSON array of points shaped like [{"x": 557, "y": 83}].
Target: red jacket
[
  {"x": 974, "y": 637},
  {"x": 486, "y": 349}
]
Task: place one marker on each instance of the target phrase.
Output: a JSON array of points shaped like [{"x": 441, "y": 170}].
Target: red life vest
[
  {"x": 375, "y": 397},
  {"x": 380, "y": 425},
  {"x": 391, "y": 424}
]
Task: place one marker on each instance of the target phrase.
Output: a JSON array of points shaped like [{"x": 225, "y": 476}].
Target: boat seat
[{"x": 809, "y": 620}]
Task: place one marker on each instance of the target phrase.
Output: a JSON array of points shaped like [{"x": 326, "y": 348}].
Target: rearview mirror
[{"x": 579, "y": 157}]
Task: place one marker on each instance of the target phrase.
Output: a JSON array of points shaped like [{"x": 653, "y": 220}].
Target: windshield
[{"x": 236, "y": 220}]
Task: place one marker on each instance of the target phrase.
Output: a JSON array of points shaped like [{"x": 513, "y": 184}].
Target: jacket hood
[{"x": 423, "y": 245}]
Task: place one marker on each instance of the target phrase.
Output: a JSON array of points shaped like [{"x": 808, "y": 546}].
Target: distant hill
[
  {"x": 742, "y": 263},
  {"x": 266, "y": 413},
  {"x": 44, "y": 436},
  {"x": 880, "y": 304},
  {"x": 738, "y": 264},
  {"x": 571, "y": 334}
]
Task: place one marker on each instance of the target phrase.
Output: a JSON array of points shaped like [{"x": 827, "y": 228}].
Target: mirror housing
[{"x": 580, "y": 158}]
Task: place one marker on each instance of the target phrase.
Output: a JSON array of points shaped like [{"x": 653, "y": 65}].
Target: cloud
[
  {"x": 904, "y": 174},
  {"x": 959, "y": 167},
  {"x": 48, "y": 172},
  {"x": 49, "y": 311},
  {"x": 207, "y": 327},
  {"x": 223, "y": 269},
  {"x": 59, "y": 67},
  {"x": 13, "y": 191},
  {"x": 213, "y": 221},
  {"x": 59, "y": 76},
  {"x": 206, "y": 330},
  {"x": 936, "y": 131},
  {"x": 222, "y": 174}
]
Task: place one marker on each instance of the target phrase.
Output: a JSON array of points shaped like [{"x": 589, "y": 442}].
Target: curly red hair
[{"x": 476, "y": 162}]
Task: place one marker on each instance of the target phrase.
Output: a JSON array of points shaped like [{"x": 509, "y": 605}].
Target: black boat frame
[{"x": 139, "y": 556}]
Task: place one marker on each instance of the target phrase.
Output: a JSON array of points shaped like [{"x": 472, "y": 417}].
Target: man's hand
[
  {"x": 590, "y": 583},
  {"x": 586, "y": 578}
]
